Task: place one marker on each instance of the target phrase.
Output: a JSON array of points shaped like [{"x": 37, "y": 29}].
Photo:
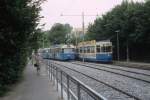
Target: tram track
[
  {"x": 115, "y": 88},
  {"x": 107, "y": 66},
  {"x": 141, "y": 79}
]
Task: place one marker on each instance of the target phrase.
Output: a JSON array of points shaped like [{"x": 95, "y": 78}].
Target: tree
[
  {"x": 132, "y": 21},
  {"x": 59, "y": 33},
  {"x": 18, "y": 26}
]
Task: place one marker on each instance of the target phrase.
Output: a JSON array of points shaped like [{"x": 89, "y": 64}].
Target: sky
[{"x": 72, "y": 11}]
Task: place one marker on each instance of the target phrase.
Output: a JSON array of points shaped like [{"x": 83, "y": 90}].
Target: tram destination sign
[{"x": 92, "y": 42}]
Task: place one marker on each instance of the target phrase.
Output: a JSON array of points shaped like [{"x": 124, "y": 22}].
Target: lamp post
[{"x": 118, "y": 56}]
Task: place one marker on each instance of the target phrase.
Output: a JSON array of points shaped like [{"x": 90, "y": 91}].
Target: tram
[
  {"x": 44, "y": 53},
  {"x": 62, "y": 52},
  {"x": 95, "y": 51}
]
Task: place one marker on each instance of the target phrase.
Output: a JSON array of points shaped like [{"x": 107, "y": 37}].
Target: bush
[{"x": 18, "y": 22}]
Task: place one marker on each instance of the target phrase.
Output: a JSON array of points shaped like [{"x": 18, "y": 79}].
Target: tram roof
[
  {"x": 93, "y": 42},
  {"x": 63, "y": 46},
  {"x": 103, "y": 43},
  {"x": 41, "y": 49}
]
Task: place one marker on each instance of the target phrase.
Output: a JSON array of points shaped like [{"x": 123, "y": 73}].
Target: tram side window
[
  {"x": 57, "y": 50},
  {"x": 108, "y": 49},
  {"x": 80, "y": 50},
  {"x": 52, "y": 51},
  {"x": 73, "y": 50},
  {"x": 85, "y": 49},
  {"x": 98, "y": 49},
  {"x": 62, "y": 50},
  {"x": 92, "y": 49},
  {"x": 88, "y": 49},
  {"x": 103, "y": 49}
]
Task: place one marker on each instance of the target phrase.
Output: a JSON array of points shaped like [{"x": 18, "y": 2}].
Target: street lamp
[{"x": 118, "y": 57}]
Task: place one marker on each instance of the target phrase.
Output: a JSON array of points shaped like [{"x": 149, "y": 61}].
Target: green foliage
[
  {"x": 45, "y": 41},
  {"x": 132, "y": 20},
  {"x": 59, "y": 33},
  {"x": 18, "y": 33},
  {"x": 75, "y": 39}
]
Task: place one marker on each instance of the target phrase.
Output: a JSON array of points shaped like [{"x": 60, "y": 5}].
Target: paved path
[{"x": 33, "y": 87}]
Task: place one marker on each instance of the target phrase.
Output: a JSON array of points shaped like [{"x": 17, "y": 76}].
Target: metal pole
[
  {"x": 118, "y": 56},
  {"x": 76, "y": 38},
  {"x": 51, "y": 72},
  {"x": 127, "y": 50},
  {"x": 83, "y": 28},
  {"x": 43, "y": 41},
  {"x": 83, "y": 34},
  {"x": 54, "y": 71},
  {"x": 78, "y": 91},
  {"x": 61, "y": 84},
  {"x": 57, "y": 77},
  {"x": 68, "y": 94}
]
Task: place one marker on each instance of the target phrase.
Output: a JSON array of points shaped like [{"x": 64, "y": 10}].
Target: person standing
[{"x": 37, "y": 64}]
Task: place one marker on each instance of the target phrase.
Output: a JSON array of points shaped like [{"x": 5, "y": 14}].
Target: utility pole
[
  {"x": 118, "y": 56},
  {"x": 127, "y": 44},
  {"x": 43, "y": 41},
  {"x": 127, "y": 51},
  {"x": 83, "y": 34},
  {"x": 83, "y": 28}
]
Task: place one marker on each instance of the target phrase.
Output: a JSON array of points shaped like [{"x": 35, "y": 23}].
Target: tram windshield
[
  {"x": 68, "y": 50},
  {"x": 44, "y": 51},
  {"x": 106, "y": 49}
]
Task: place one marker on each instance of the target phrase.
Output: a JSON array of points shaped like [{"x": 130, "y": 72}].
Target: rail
[{"x": 64, "y": 81}]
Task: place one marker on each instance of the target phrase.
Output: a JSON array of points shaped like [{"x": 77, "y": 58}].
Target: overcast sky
[{"x": 52, "y": 9}]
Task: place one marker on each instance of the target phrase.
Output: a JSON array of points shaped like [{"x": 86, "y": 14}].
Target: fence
[{"x": 64, "y": 83}]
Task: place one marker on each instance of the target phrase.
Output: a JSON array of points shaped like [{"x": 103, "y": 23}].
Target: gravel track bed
[
  {"x": 147, "y": 72},
  {"x": 134, "y": 87},
  {"x": 104, "y": 90},
  {"x": 145, "y": 78},
  {"x": 138, "y": 65}
]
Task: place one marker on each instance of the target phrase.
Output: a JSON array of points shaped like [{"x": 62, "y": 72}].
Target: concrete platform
[{"x": 33, "y": 87}]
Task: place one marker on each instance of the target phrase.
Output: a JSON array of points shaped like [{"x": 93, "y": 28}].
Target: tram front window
[
  {"x": 103, "y": 49},
  {"x": 69, "y": 50},
  {"x": 98, "y": 49},
  {"x": 108, "y": 49}
]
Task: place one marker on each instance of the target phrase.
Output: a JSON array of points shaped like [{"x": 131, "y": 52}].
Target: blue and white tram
[
  {"x": 95, "y": 51},
  {"x": 44, "y": 53},
  {"x": 62, "y": 52}
]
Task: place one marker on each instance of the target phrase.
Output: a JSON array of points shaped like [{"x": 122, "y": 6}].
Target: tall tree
[
  {"x": 59, "y": 33},
  {"x": 131, "y": 20},
  {"x": 18, "y": 22}
]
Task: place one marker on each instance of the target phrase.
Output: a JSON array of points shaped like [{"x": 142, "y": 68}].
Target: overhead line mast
[{"x": 83, "y": 28}]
